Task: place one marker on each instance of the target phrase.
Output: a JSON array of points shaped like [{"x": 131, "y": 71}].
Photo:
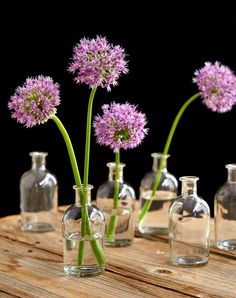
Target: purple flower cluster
[
  {"x": 217, "y": 85},
  {"x": 95, "y": 62},
  {"x": 35, "y": 102},
  {"x": 120, "y": 126}
]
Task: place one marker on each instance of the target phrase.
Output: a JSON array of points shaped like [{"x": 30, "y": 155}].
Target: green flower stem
[
  {"x": 148, "y": 203},
  {"x": 88, "y": 136},
  {"x": 112, "y": 222},
  {"x": 70, "y": 151},
  {"x": 77, "y": 181},
  {"x": 80, "y": 259},
  {"x": 98, "y": 252},
  {"x": 95, "y": 245}
]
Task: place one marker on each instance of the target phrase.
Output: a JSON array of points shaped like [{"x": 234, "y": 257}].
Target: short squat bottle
[
  {"x": 156, "y": 219},
  {"x": 189, "y": 226},
  {"x": 38, "y": 196},
  {"x": 83, "y": 227},
  {"x": 225, "y": 212},
  {"x": 119, "y": 212}
]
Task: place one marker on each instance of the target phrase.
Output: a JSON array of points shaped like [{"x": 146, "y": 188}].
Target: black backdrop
[{"x": 165, "y": 45}]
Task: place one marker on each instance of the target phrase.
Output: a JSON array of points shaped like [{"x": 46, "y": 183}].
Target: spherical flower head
[
  {"x": 120, "y": 126},
  {"x": 217, "y": 85},
  {"x": 95, "y": 62},
  {"x": 35, "y": 102}
]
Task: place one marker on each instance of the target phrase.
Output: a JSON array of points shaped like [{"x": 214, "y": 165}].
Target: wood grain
[{"x": 31, "y": 266}]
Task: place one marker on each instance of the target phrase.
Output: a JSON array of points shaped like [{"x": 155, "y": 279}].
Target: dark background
[{"x": 165, "y": 45}]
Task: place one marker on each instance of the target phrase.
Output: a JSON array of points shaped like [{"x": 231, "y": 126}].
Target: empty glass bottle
[
  {"x": 38, "y": 196},
  {"x": 225, "y": 212},
  {"x": 120, "y": 221},
  {"x": 189, "y": 226},
  {"x": 83, "y": 227},
  {"x": 156, "y": 220}
]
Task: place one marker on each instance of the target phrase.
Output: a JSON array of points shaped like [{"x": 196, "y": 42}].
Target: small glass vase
[
  {"x": 121, "y": 215},
  {"x": 189, "y": 226},
  {"x": 156, "y": 219},
  {"x": 38, "y": 196},
  {"x": 225, "y": 212},
  {"x": 83, "y": 227}
]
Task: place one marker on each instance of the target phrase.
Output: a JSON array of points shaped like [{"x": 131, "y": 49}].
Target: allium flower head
[
  {"x": 217, "y": 85},
  {"x": 95, "y": 62},
  {"x": 35, "y": 102},
  {"x": 120, "y": 126}
]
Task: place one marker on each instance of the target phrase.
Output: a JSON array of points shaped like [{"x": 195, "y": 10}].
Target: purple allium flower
[
  {"x": 95, "y": 62},
  {"x": 217, "y": 85},
  {"x": 34, "y": 103},
  {"x": 120, "y": 126}
]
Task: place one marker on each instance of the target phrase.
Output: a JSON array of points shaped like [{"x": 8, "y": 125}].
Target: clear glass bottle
[
  {"x": 156, "y": 220},
  {"x": 38, "y": 196},
  {"x": 83, "y": 227},
  {"x": 189, "y": 226},
  {"x": 225, "y": 212},
  {"x": 123, "y": 213}
]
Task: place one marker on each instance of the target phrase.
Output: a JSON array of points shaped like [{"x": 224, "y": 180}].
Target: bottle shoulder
[
  {"x": 227, "y": 192},
  {"x": 40, "y": 177},
  {"x": 172, "y": 178},
  {"x": 74, "y": 212},
  {"x": 168, "y": 181},
  {"x": 191, "y": 204},
  {"x": 107, "y": 188}
]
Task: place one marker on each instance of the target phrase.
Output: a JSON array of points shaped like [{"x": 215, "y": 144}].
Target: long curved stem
[
  {"x": 176, "y": 121},
  {"x": 88, "y": 136},
  {"x": 148, "y": 203},
  {"x": 70, "y": 149},
  {"x": 95, "y": 245},
  {"x": 77, "y": 181},
  {"x": 97, "y": 250}
]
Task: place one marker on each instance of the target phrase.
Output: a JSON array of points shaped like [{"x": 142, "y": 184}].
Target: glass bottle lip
[
  {"x": 88, "y": 187},
  {"x": 160, "y": 155},
  {"x": 113, "y": 164},
  {"x": 231, "y": 166},
  {"x": 38, "y": 153},
  {"x": 189, "y": 178}
]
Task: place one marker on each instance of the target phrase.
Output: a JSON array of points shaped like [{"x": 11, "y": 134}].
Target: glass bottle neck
[
  {"x": 189, "y": 185},
  {"x": 159, "y": 159},
  {"x": 38, "y": 160},
  {"x": 231, "y": 173},
  {"x": 112, "y": 171},
  {"x": 83, "y": 194}
]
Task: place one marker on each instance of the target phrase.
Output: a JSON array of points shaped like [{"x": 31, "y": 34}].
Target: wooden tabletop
[{"x": 31, "y": 266}]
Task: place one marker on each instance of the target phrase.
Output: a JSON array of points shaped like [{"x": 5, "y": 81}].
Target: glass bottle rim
[
  {"x": 231, "y": 166},
  {"x": 113, "y": 164},
  {"x": 189, "y": 178},
  {"x": 160, "y": 155},
  {"x": 38, "y": 153},
  {"x": 88, "y": 187}
]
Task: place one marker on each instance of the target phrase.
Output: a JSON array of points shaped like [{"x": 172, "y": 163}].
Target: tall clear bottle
[
  {"x": 225, "y": 212},
  {"x": 189, "y": 226},
  {"x": 121, "y": 212},
  {"x": 156, "y": 220},
  {"x": 83, "y": 227},
  {"x": 38, "y": 196}
]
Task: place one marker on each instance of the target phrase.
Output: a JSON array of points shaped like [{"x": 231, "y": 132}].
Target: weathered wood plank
[
  {"x": 216, "y": 279},
  {"x": 13, "y": 232},
  {"x": 6, "y": 295},
  {"x": 148, "y": 261},
  {"x": 27, "y": 271},
  {"x": 34, "y": 260}
]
